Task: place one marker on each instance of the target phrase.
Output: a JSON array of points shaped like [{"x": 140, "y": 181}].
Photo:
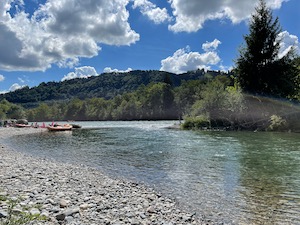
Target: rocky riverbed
[{"x": 42, "y": 191}]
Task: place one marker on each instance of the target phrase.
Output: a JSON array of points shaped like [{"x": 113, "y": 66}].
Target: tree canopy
[
  {"x": 107, "y": 86},
  {"x": 260, "y": 69}
]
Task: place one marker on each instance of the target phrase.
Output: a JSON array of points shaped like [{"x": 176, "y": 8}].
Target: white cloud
[
  {"x": 211, "y": 46},
  {"x": 275, "y": 4},
  {"x": 60, "y": 32},
  {"x": 225, "y": 68},
  {"x": 288, "y": 41},
  {"x": 184, "y": 60},
  {"x": 21, "y": 80},
  {"x": 191, "y": 15},
  {"x": 81, "y": 72},
  {"x": 110, "y": 70},
  {"x": 154, "y": 13},
  {"x": 16, "y": 86},
  {"x": 4, "y": 8},
  {"x": 2, "y": 78}
]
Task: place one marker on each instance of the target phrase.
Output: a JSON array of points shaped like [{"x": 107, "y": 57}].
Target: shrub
[
  {"x": 277, "y": 123},
  {"x": 198, "y": 122}
]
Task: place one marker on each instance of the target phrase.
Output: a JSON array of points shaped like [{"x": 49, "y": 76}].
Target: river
[{"x": 225, "y": 177}]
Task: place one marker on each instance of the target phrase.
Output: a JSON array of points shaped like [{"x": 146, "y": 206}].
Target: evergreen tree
[{"x": 259, "y": 67}]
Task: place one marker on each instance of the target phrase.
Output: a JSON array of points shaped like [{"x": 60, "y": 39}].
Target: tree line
[
  {"x": 213, "y": 103},
  {"x": 155, "y": 101},
  {"x": 107, "y": 86}
]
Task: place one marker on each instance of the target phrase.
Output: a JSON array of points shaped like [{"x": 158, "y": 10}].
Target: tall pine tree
[{"x": 259, "y": 69}]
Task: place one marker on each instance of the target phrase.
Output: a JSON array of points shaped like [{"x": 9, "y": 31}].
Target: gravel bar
[{"x": 63, "y": 193}]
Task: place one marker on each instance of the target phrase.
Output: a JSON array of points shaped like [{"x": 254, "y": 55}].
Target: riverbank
[
  {"x": 257, "y": 113},
  {"x": 60, "y": 193}
]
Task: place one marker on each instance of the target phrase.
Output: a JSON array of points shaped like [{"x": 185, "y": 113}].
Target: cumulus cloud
[
  {"x": 154, "y": 13},
  {"x": 60, "y": 32},
  {"x": 184, "y": 59},
  {"x": 2, "y": 78},
  {"x": 211, "y": 46},
  {"x": 16, "y": 86},
  {"x": 81, "y": 72},
  {"x": 288, "y": 41},
  {"x": 191, "y": 15},
  {"x": 110, "y": 70}
]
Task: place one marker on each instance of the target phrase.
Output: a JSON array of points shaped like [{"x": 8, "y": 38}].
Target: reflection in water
[
  {"x": 269, "y": 170},
  {"x": 229, "y": 177}
]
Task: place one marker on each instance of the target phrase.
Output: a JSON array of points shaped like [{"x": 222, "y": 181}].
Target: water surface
[{"x": 230, "y": 177}]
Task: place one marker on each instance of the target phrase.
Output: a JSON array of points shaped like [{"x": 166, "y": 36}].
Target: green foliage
[
  {"x": 107, "y": 86},
  {"x": 18, "y": 217},
  {"x": 11, "y": 111},
  {"x": 214, "y": 103},
  {"x": 187, "y": 93},
  {"x": 151, "y": 102},
  {"x": 98, "y": 109},
  {"x": 128, "y": 96},
  {"x": 3, "y": 198},
  {"x": 154, "y": 101},
  {"x": 212, "y": 98},
  {"x": 196, "y": 123},
  {"x": 277, "y": 123},
  {"x": 259, "y": 68},
  {"x": 218, "y": 102},
  {"x": 234, "y": 99},
  {"x": 76, "y": 109},
  {"x": 157, "y": 101},
  {"x": 4, "y": 107},
  {"x": 296, "y": 66}
]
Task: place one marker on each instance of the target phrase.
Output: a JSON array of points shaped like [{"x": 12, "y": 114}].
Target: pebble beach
[{"x": 52, "y": 192}]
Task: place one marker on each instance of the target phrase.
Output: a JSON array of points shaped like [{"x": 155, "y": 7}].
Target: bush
[
  {"x": 198, "y": 122},
  {"x": 277, "y": 123}
]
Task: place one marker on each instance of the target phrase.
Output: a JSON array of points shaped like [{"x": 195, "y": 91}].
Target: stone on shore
[{"x": 68, "y": 194}]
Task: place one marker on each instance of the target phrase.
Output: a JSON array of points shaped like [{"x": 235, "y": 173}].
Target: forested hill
[{"x": 106, "y": 85}]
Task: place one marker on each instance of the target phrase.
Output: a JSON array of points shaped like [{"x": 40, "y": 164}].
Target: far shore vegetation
[{"x": 261, "y": 93}]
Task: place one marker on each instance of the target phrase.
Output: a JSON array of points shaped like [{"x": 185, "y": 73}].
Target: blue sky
[{"x": 55, "y": 40}]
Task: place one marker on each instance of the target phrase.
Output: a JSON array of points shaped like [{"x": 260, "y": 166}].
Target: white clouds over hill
[
  {"x": 110, "y": 70},
  {"x": 81, "y": 72},
  {"x": 16, "y": 86},
  {"x": 184, "y": 59}
]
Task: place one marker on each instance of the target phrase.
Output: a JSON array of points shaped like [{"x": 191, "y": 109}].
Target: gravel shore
[{"x": 56, "y": 193}]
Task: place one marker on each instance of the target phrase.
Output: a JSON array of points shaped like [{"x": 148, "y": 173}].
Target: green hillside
[{"x": 106, "y": 85}]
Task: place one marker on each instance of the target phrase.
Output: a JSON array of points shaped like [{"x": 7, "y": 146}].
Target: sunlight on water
[
  {"x": 145, "y": 125},
  {"x": 230, "y": 177}
]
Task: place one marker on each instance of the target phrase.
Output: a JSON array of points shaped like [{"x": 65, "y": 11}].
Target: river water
[{"x": 225, "y": 177}]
